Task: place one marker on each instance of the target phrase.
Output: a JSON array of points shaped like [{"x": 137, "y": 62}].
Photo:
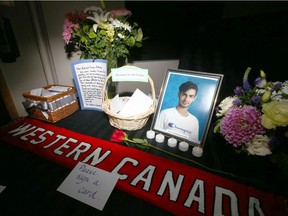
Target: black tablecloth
[{"x": 32, "y": 181}]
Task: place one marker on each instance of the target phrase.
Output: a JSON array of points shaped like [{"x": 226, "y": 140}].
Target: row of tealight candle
[{"x": 172, "y": 142}]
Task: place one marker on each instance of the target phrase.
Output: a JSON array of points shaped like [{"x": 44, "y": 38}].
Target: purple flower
[
  {"x": 237, "y": 102},
  {"x": 238, "y": 90},
  {"x": 260, "y": 82},
  {"x": 276, "y": 86},
  {"x": 255, "y": 100},
  {"x": 246, "y": 86},
  {"x": 241, "y": 124}
]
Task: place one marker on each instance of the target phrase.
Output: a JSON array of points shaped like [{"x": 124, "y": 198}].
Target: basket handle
[{"x": 105, "y": 96}]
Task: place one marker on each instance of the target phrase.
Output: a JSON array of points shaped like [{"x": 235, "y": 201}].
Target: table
[{"x": 32, "y": 181}]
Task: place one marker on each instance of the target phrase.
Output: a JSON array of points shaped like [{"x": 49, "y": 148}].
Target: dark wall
[
  {"x": 204, "y": 38},
  {"x": 170, "y": 25}
]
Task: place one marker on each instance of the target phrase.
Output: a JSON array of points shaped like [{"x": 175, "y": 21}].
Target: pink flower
[
  {"x": 68, "y": 29},
  {"x": 120, "y": 12},
  {"x": 240, "y": 125}
]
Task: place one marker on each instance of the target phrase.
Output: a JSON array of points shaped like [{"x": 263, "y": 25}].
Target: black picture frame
[{"x": 202, "y": 107}]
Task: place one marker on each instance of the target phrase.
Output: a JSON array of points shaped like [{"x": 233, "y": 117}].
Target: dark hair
[{"x": 188, "y": 85}]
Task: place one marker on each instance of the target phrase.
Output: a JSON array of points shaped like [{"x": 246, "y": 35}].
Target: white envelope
[
  {"x": 117, "y": 103},
  {"x": 59, "y": 88},
  {"x": 138, "y": 103}
]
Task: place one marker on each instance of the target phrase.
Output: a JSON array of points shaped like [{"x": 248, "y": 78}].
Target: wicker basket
[
  {"x": 127, "y": 123},
  {"x": 64, "y": 104}
]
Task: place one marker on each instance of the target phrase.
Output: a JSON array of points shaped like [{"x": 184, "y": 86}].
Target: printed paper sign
[
  {"x": 89, "y": 185},
  {"x": 129, "y": 73}
]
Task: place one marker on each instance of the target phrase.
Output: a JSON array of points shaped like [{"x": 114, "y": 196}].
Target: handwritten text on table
[{"x": 89, "y": 185}]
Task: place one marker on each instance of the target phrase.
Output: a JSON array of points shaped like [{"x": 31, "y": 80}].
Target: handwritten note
[
  {"x": 89, "y": 185},
  {"x": 89, "y": 77}
]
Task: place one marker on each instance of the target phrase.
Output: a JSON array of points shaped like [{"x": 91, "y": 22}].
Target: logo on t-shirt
[{"x": 172, "y": 126}]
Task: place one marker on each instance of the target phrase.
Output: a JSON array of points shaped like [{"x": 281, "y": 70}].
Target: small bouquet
[
  {"x": 255, "y": 119},
  {"x": 101, "y": 34}
]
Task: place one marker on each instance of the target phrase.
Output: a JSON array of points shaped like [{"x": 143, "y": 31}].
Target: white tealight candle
[
  {"x": 172, "y": 142},
  {"x": 197, "y": 151},
  {"x": 150, "y": 134},
  {"x": 183, "y": 146},
  {"x": 160, "y": 138}
]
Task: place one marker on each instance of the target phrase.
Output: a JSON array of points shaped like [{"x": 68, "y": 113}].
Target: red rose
[{"x": 118, "y": 136}]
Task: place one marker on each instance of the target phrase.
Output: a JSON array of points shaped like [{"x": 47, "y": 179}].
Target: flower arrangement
[
  {"x": 255, "y": 118},
  {"x": 101, "y": 34}
]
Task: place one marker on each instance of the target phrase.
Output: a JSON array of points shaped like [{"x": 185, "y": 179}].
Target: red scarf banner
[{"x": 177, "y": 188}]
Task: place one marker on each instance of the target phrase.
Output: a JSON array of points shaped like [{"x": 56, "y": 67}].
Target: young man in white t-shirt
[{"x": 178, "y": 120}]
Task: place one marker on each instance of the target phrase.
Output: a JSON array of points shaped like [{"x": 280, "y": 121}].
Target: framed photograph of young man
[{"x": 186, "y": 103}]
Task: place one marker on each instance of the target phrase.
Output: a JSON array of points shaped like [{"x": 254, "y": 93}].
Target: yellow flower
[
  {"x": 275, "y": 114},
  {"x": 109, "y": 32}
]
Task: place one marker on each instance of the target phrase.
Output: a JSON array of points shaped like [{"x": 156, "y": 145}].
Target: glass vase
[{"x": 112, "y": 63}]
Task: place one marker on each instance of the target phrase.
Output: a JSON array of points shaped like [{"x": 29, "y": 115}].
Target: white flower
[
  {"x": 225, "y": 105},
  {"x": 259, "y": 146},
  {"x": 282, "y": 94},
  {"x": 285, "y": 87},
  {"x": 93, "y": 8},
  {"x": 262, "y": 83},
  {"x": 120, "y": 35},
  {"x": 117, "y": 24},
  {"x": 276, "y": 96},
  {"x": 260, "y": 91},
  {"x": 127, "y": 27},
  {"x": 98, "y": 16}
]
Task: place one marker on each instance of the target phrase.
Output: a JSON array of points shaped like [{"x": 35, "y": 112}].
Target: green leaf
[
  {"x": 139, "y": 35},
  {"x": 77, "y": 31},
  {"x": 137, "y": 44},
  {"x": 131, "y": 41},
  {"x": 83, "y": 39},
  {"x": 92, "y": 34},
  {"x": 217, "y": 126},
  {"x": 102, "y": 32},
  {"x": 86, "y": 28},
  {"x": 138, "y": 140},
  {"x": 135, "y": 24},
  {"x": 246, "y": 74}
]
